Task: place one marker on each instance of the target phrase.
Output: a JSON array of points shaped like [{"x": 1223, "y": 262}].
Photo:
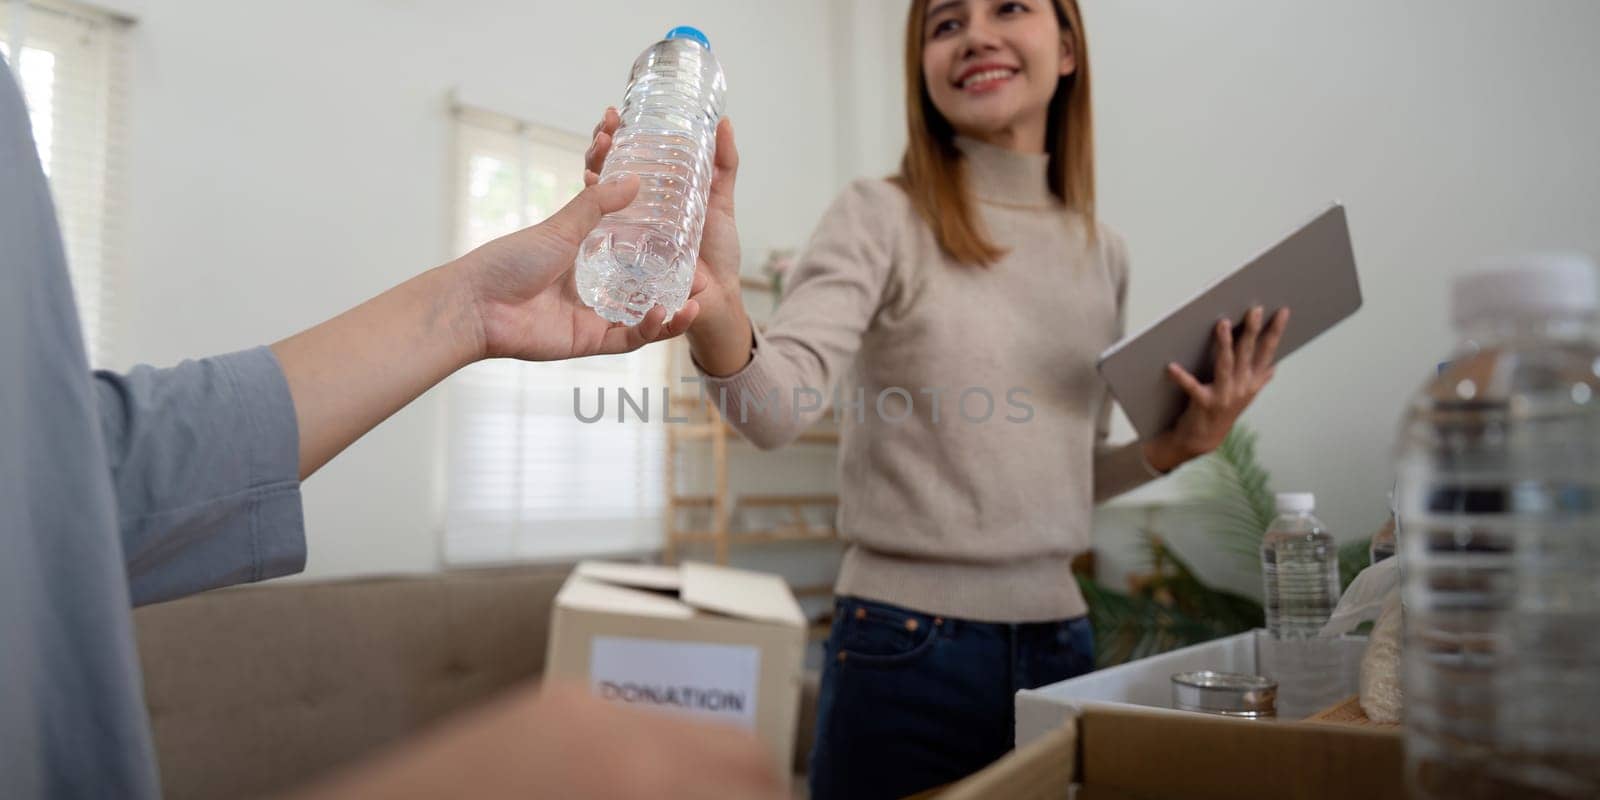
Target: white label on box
[{"x": 710, "y": 680}]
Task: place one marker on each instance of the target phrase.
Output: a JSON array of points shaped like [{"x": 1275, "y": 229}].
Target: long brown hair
[{"x": 931, "y": 172}]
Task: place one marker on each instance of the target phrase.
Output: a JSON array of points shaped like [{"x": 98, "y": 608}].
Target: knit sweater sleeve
[
  {"x": 830, "y": 299},
  {"x": 1117, "y": 468}
]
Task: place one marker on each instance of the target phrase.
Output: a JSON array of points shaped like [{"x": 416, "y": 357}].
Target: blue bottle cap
[{"x": 689, "y": 32}]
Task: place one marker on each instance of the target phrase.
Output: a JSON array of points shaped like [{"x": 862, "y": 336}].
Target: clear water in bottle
[
  {"x": 644, "y": 255},
  {"x": 1299, "y": 570},
  {"x": 1499, "y": 496}
]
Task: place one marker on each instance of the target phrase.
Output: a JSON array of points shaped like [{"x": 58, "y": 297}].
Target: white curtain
[
  {"x": 526, "y": 479},
  {"x": 69, "y": 60}
]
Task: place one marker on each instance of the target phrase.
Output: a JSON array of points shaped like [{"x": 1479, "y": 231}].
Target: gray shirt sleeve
[
  {"x": 204, "y": 461},
  {"x": 146, "y": 486}
]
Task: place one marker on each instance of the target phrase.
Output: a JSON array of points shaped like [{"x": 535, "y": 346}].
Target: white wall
[
  {"x": 1451, "y": 129},
  {"x": 869, "y": 40},
  {"x": 290, "y": 159}
]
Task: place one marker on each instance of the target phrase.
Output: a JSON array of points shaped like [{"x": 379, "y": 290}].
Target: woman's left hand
[{"x": 1242, "y": 369}]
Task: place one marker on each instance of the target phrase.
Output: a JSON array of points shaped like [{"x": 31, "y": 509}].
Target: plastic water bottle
[
  {"x": 644, "y": 255},
  {"x": 1299, "y": 570},
  {"x": 1499, "y": 460}
]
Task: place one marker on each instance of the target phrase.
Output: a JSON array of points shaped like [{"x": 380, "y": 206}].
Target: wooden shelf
[
  {"x": 785, "y": 500},
  {"x": 696, "y": 430},
  {"x": 713, "y": 426},
  {"x": 818, "y": 437},
  {"x": 713, "y": 430},
  {"x": 707, "y": 426},
  {"x": 772, "y": 536},
  {"x": 760, "y": 500}
]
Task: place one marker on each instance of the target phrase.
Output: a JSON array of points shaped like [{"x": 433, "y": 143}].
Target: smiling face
[{"x": 991, "y": 67}]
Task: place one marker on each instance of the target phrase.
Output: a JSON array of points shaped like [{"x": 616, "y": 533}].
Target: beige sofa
[{"x": 258, "y": 689}]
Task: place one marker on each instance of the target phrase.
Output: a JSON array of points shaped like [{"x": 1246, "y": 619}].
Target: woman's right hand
[{"x": 721, "y": 335}]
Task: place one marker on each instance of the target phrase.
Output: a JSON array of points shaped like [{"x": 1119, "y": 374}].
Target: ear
[{"x": 1069, "y": 53}]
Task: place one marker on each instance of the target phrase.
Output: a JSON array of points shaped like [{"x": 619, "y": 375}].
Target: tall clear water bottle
[
  {"x": 1299, "y": 570},
  {"x": 1499, "y": 496},
  {"x": 644, "y": 255}
]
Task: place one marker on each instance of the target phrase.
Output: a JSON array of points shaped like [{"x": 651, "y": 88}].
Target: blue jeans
[{"x": 911, "y": 701}]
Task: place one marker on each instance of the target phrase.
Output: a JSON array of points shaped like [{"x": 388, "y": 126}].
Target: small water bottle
[
  {"x": 644, "y": 255},
  {"x": 1299, "y": 570},
  {"x": 1499, "y": 463}
]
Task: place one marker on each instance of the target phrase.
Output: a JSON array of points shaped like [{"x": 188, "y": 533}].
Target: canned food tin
[{"x": 1230, "y": 694}]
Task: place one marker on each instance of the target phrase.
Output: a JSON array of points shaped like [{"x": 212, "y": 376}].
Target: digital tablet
[{"x": 1312, "y": 272}]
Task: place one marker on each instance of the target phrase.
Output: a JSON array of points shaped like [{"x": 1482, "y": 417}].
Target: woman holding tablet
[{"x": 954, "y": 313}]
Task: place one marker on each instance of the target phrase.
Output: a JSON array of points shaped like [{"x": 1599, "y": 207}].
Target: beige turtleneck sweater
[{"x": 951, "y": 508}]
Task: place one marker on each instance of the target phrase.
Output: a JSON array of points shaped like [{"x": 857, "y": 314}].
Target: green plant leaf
[
  {"x": 1225, "y": 612},
  {"x": 1354, "y": 556},
  {"x": 1231, "y": 496},
  {"x": 1176, "y": 609}
]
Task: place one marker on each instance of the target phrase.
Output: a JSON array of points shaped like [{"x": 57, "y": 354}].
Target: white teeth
[{"x": 987, "y": 75}]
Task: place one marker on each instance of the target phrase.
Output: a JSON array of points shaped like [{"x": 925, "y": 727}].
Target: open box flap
[
  {"x": 639, "y": 576},
  {"x": 588, "y": 594},
  {"x": 740, "y": 593}
]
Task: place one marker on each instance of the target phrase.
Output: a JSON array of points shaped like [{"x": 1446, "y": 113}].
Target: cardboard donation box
[
  {"x": 1113, "y": 734},
  {"x": 719, "y": 644},
  {"x": 1121, "y": 751}
]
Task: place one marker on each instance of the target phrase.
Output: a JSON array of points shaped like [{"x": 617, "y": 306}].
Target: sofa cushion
[{"x": 257, "y": 689}]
